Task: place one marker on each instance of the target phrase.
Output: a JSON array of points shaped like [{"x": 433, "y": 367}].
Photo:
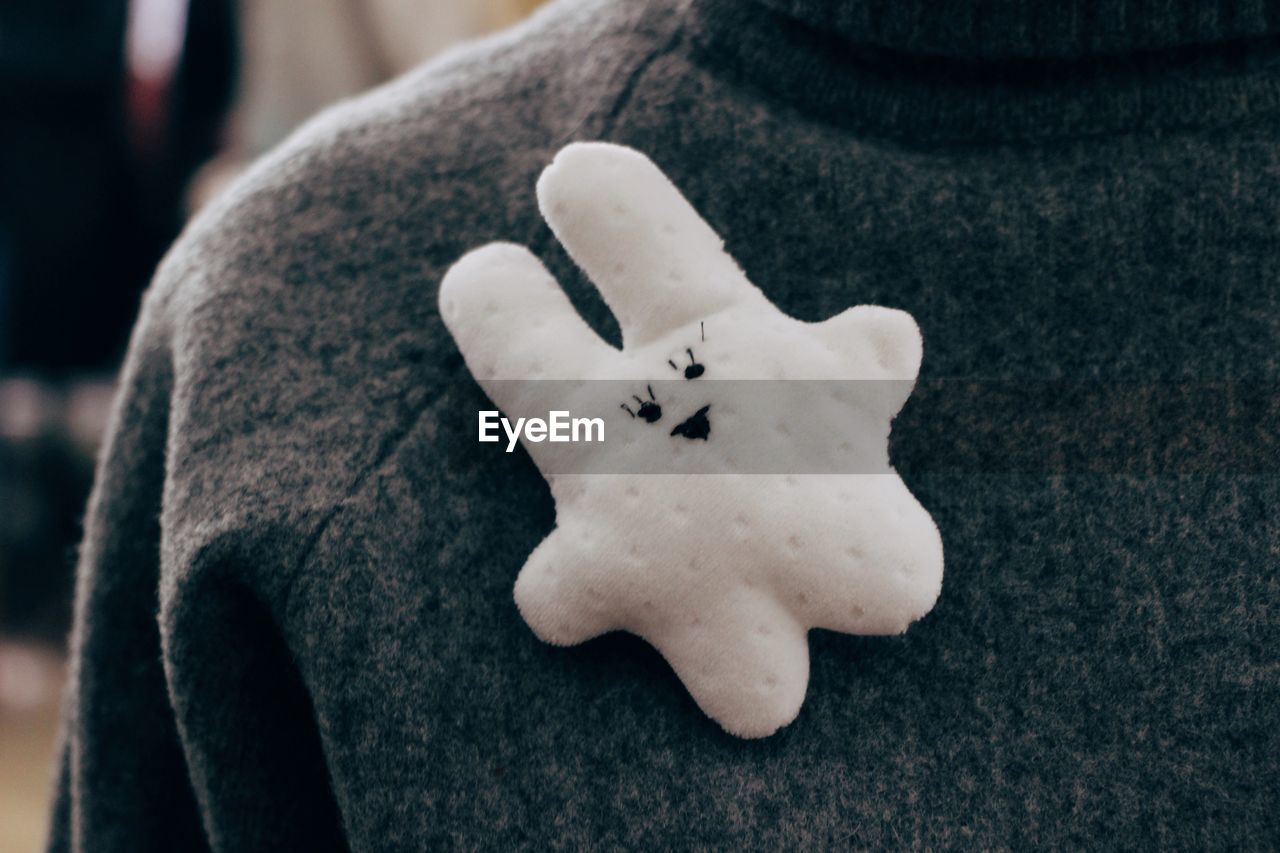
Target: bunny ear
[
  {"x": 511, "y": 320},
  {"x": 655, "y": 261},
  {"x": 879, "y": 344}
]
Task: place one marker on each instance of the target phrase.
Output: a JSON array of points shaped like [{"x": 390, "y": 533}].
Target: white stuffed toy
[{"x": 668, "y": 529}]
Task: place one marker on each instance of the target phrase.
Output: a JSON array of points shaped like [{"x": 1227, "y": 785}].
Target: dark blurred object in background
[
  {"x": 48, "y": 438},
  {"x": 106, "y": 109}
]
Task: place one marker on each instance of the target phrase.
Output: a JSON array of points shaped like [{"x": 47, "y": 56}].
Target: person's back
[{"x": 295, "y": 627}]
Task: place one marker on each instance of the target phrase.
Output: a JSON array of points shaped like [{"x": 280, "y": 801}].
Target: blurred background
[{"x": 119, "y": 119}]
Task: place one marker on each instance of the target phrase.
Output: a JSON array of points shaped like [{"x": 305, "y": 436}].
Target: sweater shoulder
[{"x": 300, "y": 306}]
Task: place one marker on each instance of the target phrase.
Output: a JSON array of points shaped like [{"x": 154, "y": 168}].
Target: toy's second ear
[
  {"x": 654, "y": 259},
  {"x": 881, "y": 344},
  {"x": 892, "y": 336}
]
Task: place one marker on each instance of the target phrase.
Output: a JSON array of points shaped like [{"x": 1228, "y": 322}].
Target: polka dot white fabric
[{"x": 724, "y": 573}]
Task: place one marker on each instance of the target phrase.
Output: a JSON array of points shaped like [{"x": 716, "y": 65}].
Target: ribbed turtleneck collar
[
  {"x": 983, "y": 70},
  {"x": 1004, "y": 29}
]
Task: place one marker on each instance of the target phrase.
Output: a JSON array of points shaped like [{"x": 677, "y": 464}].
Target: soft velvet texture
[{"x": 295, "y": 627}]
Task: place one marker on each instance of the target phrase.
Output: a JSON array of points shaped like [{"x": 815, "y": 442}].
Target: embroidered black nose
[{"x": 695, "y": 426}]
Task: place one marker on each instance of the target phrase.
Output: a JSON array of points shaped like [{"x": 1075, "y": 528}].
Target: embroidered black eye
[
  {"x": 648, "y": 410},
  {"x": 692, "y": 370}
]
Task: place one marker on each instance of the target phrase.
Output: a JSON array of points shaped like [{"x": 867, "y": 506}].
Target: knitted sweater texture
[{"x": 294, "y": 622}]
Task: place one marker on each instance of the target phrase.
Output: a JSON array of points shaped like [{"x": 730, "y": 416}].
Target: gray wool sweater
[{"x": 294, "y": 621}]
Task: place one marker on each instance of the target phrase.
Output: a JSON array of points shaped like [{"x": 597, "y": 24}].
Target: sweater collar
[
  {"x": 1005, "y": 29},
  {"x": 903, "y": 74}
]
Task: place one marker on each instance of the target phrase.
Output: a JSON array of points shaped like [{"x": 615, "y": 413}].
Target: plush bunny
[{"x": 669, "y": 529}]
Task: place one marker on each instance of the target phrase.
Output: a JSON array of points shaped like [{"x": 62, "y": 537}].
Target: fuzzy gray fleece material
[{"x": 294, "y": 623}]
